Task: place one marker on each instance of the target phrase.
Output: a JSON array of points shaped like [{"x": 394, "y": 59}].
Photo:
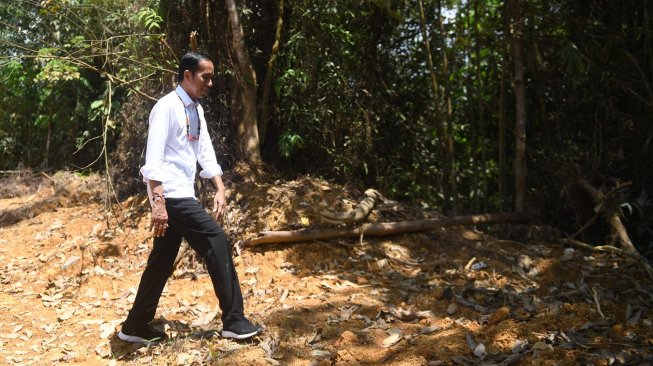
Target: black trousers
[{"x": 187, "y": 219}]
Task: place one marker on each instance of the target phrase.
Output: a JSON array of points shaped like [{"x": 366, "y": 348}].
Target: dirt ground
[{"x": 486, "y": 295}]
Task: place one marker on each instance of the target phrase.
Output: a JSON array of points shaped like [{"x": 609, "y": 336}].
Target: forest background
[{"x": 457, "y": 106}]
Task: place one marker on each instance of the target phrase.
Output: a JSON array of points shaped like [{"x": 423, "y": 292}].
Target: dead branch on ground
[{"x": 609, "y": 248}]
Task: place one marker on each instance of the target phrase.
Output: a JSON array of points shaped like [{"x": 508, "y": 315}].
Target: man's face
[{"x": 198, "y": 85}]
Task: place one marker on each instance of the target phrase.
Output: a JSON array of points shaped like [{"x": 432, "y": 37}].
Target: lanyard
[{"x": 188, "y": 135}]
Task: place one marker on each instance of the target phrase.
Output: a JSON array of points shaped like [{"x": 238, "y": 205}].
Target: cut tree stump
[
  {"x": 387, "y": 228},
  {"x": 611, "y": 216},
  {"x": 359, "y": 213}
]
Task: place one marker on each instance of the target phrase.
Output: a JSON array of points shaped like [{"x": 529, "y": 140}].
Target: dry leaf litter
[{"x": 492, "y": 295}]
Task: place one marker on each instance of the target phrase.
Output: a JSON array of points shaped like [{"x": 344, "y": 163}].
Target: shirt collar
[{"x": 185, "y": 98}]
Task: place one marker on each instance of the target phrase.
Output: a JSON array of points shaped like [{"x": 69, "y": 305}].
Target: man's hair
[{"x": 190, "y": 62}]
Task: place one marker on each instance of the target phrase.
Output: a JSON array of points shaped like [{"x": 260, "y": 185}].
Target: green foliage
[
  {"x": 572, "y": 59},
  {"x": 150, "y": 19},
  {"x": 354, "y": 85},
  {"x": 14, "y": 81},
  {"x": 319, "y": 85},
  {"x": 54, "y": 70},
  {"x": 290, "y": 144},
  {"x": 62, "y": 54},
  {"x": 353, "y": 96}
]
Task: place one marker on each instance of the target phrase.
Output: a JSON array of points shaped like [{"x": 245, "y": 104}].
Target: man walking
[{"x": 177, "y": 140}]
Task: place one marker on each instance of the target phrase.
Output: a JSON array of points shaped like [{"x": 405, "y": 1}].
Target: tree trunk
[
  {"x": 439, "y": 124},
  {"x": 503, "y": 65},
  {"x": 481, "y": 167},
  {"x": 473, "y": 122},
  {"x": 450, "y": 171},
  {"x": 48, "y": 142},
  {"x": 247, "y": 128},
  {"x": 517, "y": 26},
  {"x": 502, "y": 141},
  {"x": 46, "y": 157},
  {"x": 269, "y": 76}
]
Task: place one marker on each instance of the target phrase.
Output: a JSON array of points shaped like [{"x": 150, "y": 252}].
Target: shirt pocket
[{"x": 178, "y": 132}]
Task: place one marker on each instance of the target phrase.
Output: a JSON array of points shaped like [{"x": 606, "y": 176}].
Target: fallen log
[{"x": 387, "y": 228}]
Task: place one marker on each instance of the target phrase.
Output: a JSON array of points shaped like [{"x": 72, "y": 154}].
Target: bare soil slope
[{"x": 464, "y": 295}]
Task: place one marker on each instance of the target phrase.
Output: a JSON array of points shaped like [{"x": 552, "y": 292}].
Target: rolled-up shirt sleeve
[
  {"x": 206, "y": 154},
  {"x": 157, "y": 137}
]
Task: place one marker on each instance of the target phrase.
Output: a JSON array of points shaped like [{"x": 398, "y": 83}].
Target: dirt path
[{"x": 455, "y": 296}]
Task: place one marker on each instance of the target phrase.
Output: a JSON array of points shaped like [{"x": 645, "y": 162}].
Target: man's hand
[
  {"x": 159, "y": 223},
  {"x": 219, "y": 204}
]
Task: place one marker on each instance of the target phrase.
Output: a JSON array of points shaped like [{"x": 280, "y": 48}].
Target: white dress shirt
[{"x": 170, "y": 157}]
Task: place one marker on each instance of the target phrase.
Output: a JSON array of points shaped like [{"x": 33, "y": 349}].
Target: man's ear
[{"x": 187, "y": 74}]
